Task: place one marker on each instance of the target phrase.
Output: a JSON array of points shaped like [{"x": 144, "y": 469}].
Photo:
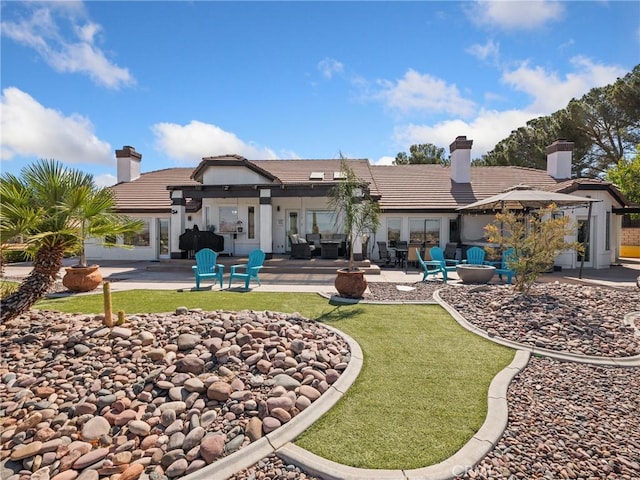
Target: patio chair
[
  {"x": 251, "y": 268},
  {"x": 475, "y": 256},
  {"x": 314, "y": 240},
  {"x": 502, "y": 268},
  {"x": 206, "y": 266},
  {"x": 438, "y": 254},
  {"x": 431, "y": 267},
  {"x": 448, "y": 264},
  {"x": 300, "y": 248},
  {"x": 383, "y": 253}
]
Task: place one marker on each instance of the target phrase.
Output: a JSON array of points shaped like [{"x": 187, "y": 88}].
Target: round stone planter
[
  {"x": 350, "y": 283},
  {"x": 475, "y": 273},
  {"x": 82, "y": 279}
]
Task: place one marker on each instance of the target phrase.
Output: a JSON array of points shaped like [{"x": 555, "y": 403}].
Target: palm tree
[
  {"x": 54, "y": 210},
  {"x": 352, "y": 206}
]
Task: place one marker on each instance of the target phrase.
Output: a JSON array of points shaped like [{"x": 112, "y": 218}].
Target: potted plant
[
  {"x": 357, "y": 213},
  {"x": 91, "y": 209}
]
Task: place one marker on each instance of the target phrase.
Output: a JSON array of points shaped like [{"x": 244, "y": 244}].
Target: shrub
[{"x": 537, "y": 238}]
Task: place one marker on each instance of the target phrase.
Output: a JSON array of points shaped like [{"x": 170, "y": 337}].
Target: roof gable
[{"x": 229, "y": 161}]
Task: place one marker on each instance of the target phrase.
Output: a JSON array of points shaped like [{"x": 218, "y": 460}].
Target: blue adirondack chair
[
  {"x": 251, "y": 268},
  {"x": 431, "y": 267},
  {"x": 475, "y": 256},
  {"x": 508, "y": 256},
  {"x": 438, "y": 254},
  {"x": 206, "y": 266}
]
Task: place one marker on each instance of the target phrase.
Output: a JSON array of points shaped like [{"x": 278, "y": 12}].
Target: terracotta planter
[
  {"x": 82, "y": 279},
  {"x": 350, "y": 284}
]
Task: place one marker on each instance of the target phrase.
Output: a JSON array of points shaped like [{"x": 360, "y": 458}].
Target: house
[{"x": 258, "y": 203}]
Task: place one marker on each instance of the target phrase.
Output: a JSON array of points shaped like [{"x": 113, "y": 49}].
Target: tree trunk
[{"x": 46, "y": 266}]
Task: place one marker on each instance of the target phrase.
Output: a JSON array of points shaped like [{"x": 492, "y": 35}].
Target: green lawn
[{"x": 420, "y": 396}]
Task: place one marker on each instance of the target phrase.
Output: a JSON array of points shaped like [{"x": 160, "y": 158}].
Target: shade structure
[{"x": 519, "y": 199}]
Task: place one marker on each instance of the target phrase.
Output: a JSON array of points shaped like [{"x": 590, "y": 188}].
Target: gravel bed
[
  {"x": 410, "y": 292},
  {"x": 273, "y": 468},
  {"x": 159, "y": 397},
  {"x": 564, "y": 317},
  {"x": 568, "y": 420}
]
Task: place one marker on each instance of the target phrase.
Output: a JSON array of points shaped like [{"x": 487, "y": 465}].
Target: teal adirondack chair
[
  {"x": 508, "y": 256},
  {"x": 438, "y": 254},
  {"x": 251, "y": 268},
  {"x": 431, "y": 267},
  {"x": 206, "y": 266},
  {"x": 475, "y": 256}
]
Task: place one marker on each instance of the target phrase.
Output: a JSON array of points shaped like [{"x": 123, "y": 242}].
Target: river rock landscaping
[
  {"x": 165, "y": 395},
  {"x": 158, "y": 397}
]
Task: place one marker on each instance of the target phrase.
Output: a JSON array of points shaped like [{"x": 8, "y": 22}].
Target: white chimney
[
  {"x": 128, "y": 164},
  {"x": 559, "y": 155},
  {"x": 460, "y": 151}
]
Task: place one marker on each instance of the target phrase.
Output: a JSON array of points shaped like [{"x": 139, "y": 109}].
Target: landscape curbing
[
  {"x": 632, "y": 361},
  {"x": 468, "y": 456},
  {"x": 254, "y": 452}
]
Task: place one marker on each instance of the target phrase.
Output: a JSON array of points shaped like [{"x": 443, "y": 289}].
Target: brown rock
[
  {"x": 90, "y": 458},
  {"x": 133, "y": 472},
  {"x": 68, "y": 475},
  {"x": 254, "y": 429},
  {"x": 26, "y": 450},
  {"x": 212, "y": 448},
  {"x": 219, "y": 391},
  {"x": 281, "y": 414}
]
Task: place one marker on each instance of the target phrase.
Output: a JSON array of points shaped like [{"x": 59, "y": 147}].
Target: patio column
[
  {"x": 266, "y": 223},
  {"x": 178, "y": 208}
]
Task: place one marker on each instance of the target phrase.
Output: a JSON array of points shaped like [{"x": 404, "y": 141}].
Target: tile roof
[
  {"x": 149, "y": 193},
  {"x": 429, "y": 187},
  {"x": 401, "y": 187},
  {"x": 299, "y": 171}
]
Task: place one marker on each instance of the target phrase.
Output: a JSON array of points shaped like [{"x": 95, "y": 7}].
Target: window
[
  {"x": 251, "y": 219},
  {"x": 139, "y": 239},
  {"x": 424, "y": 230},
  {"x": 228, "y": 219},
  {"x": 394, "y": 226},
  {"x": 454, "y": 232},
  {"x": 319, "y": 221}
]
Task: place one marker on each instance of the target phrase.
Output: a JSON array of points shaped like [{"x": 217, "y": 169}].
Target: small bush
[
  {"x": 14, "y": 256},
  {"x": 537, "y": 239}
]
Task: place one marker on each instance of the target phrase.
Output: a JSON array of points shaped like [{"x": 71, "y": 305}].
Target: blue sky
[{"x": 183, "y": 80}]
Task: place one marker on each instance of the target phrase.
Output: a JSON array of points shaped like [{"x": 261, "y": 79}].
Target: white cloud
[
  {"x": 30, "y": 129},
  {"x": 384, "y": 161},
  {"x": 105, "y": 180},
  {"x": 329, "y": 67},
  {"x": 487, "y": 129},
  {"x": 425, "y": 93},
  {"x": 488, "y": 51},
  {"x": 76, "y": 54},
  {"x": 515, "y": 15},
  {"x": 551, "y": 92},
  {"x": 189, "y": 143}
]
